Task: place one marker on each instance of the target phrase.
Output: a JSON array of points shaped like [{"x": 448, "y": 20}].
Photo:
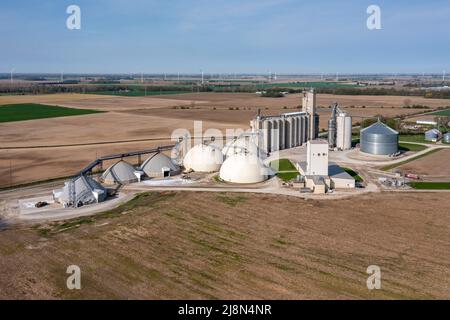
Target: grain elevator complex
[
  {"x": 288, "y": 130},
  {"x": 246, "y": 159},
  {"x": 285, "y": 152}
]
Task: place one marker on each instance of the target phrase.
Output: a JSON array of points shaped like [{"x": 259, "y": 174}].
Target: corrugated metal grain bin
[{"x": 379, "y": 139}]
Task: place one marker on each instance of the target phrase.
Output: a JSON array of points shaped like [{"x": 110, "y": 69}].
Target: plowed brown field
[
  {"x": 230, "y": 246},
  {"x": 152, "y": 119}
]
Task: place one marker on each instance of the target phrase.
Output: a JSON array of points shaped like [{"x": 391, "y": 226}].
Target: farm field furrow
[{"x": 172, "y": 245}]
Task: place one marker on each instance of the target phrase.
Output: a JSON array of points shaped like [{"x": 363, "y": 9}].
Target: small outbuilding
[
  {"x": 446, "y": 138},
  {"x": 336, "y": 178},
  {"x": 433, "y": 135},
  {"x": 339, "y": 178}
]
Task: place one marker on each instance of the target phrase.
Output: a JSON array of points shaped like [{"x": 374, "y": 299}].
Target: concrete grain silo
[
  {"x": 275, "y": 136},
  {"x": 294, "y": 131},
  {"x": 343, "y": 131},
  {"x": 266, "y": 126},
  {"x": 281, "y": 128},
  {"x": 287, "y": 130},
  {"x": 287, "y": 133},
  {"x": 332, "y": 127}
]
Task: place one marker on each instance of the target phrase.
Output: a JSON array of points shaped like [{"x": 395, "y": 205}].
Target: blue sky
[{"x": 255, "y": 36}]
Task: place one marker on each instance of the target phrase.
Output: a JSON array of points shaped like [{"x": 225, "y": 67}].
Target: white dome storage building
[
  {"x": 244, "y": 168},
  {"x": 121, "y": 172},
  {"x": 159, "y": 165},
  {"x": 203, "y": 158},
  {"x": 80, "y": 191},
  {"x": 241, "y": 145}
]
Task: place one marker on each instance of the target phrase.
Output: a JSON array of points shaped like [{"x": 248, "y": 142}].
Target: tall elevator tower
[{"x": 309, "y": 106}]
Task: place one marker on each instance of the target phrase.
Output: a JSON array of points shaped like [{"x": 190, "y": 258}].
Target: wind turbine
[{"x": 12, "y": 75}]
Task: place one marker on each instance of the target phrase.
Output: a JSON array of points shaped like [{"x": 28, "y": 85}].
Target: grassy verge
[
  {"x": 411, "y": 147},
  {"x": 286, "y": 170},
  {"x": 442, "y": 113},
  {"x": 230, "y": 200},
  {"x": 282, "y": 165},
  {"x": 392, "y": 166},
  {"x": 430, "y": 185},
  {"x": 353, "y": 174},
  {"x": 420, "y": 138},
  {"x": 287, "y": 176},
  {"x": 31, "y": 111}
]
